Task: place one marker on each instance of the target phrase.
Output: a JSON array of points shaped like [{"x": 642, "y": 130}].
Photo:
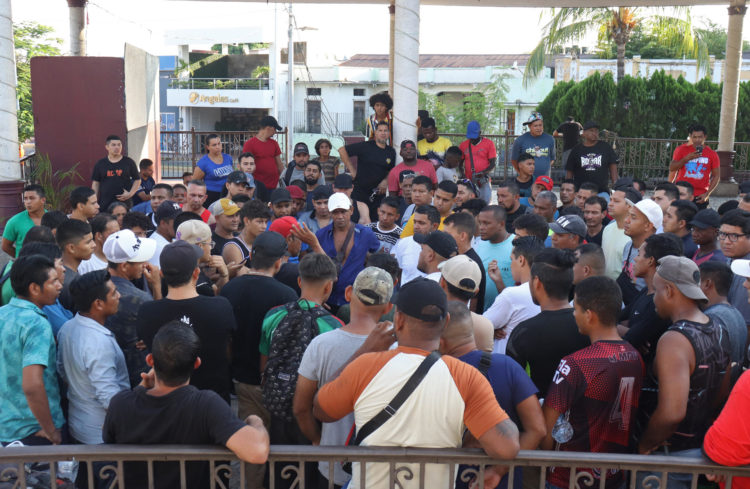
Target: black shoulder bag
[{"x": 390, "y": 409}]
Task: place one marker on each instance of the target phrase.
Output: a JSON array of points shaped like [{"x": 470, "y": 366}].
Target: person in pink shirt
[{"x": 420, "y": 167}]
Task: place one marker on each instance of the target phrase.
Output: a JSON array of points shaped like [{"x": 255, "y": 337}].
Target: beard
[{"x": 311, "y": 181}]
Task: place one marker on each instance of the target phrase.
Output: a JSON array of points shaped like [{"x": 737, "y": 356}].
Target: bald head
[{"x": 460, "y": 329}]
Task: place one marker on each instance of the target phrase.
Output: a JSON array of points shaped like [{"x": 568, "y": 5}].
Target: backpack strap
[
  {"x": 485, "y": 362},
  {"x": 288, "y": 173},
  {"x": 389, "y": 410},
  {"x": 4, "y": 278}
]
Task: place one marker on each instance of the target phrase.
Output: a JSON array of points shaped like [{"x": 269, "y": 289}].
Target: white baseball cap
[
  {"x": 741, "y": 267},
  {"x": 124, "y": 246},
  {"x": 339, "y": 200},
  {"x": 651, "y": 210}
]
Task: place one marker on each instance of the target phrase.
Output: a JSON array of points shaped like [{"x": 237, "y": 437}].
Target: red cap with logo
[
  {"x": 283, "y": 225},
  {"x": 544, "y": 181}
]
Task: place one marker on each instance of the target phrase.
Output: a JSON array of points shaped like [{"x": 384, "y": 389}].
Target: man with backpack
[{"x": 287, "y": 331}]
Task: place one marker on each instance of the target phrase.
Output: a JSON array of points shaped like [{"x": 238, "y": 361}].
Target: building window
[
  {"x": 510, "y": 121},
  {"x": 359, "y": 92},
  {"x": 313, "y": 116},
  {"x": 313, "y": 92},
  {"x": 358, "y": 115}
]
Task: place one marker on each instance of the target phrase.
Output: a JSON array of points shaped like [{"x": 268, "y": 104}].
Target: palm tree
[{"x": 615, "y": 24}]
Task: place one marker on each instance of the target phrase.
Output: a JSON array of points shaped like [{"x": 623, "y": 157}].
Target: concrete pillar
[
  {"x": 730, "y": 91},
  {"x": 77, "y": 13},
  {"x": 10, "y": 169},
  {"x": 391, "y": 46},
  {"x": 406, "y": 71}
]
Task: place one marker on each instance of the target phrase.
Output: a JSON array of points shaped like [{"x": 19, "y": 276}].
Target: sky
[{"x": 338, "y": 31}]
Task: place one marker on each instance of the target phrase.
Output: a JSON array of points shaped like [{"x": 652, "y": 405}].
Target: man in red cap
[{"x": 543, "y": 183}]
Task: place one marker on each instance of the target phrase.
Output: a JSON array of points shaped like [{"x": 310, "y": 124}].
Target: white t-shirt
[
  {"x": 613, "y": 244},
  {"x": 407, "y": 253},
  {"x": 161, "y": 242},
  {"x": 450, "y": 174},
  {"x": 435, "y": 276},
  {"x": 511, "y": 306},
  {"x": 92, "y": 264}
]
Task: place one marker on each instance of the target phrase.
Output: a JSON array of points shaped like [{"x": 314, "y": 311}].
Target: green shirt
[
  {"x": 327, "y": 322},
  {"x": 17, "y": 227}
]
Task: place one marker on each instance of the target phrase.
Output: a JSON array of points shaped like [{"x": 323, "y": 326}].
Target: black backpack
[{"x": 288, "y": 343}]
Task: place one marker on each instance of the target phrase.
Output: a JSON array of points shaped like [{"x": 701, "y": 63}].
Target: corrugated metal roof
[{"x": 441, "y": 60}]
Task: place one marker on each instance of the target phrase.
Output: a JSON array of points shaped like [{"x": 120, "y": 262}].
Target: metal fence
[
  {"x": 406, "y": 467},
  {"x": 180, "y": 150},
  {"x": 221, "y": 83}
]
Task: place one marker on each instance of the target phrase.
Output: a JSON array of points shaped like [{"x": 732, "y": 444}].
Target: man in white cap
[
  {"x": 692, "y": 357},
  {"x": 460, "y": 278},
  {"x": 614, "y": 238},
  {"x": 643, "y": 219},
  {"x": 128, "y": 259}
]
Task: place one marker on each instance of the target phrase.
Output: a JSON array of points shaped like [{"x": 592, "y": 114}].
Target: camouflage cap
[{"x": 373, "y": 286}]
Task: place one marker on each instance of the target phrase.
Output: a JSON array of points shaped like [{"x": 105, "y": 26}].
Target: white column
[
  {"x": 391, "y": 45},
  {"x": 77, "y": 15},
  {"x": 406, "y": 71},
  {"x": 290, "y": 90},
  {"x": 10, "y": 168},
  {"x": 273, "y": 62}
]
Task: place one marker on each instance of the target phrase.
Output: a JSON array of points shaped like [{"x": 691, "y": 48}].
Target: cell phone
[{"x": 699, "y": 149}]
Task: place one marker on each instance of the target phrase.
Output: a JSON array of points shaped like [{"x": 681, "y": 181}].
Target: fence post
[
  {"x": 192, "y": 146},
  {"x": 507, "y": 155}
]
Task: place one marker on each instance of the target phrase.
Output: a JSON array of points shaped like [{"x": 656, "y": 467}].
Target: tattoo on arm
[{"x": 507, "y": 429}]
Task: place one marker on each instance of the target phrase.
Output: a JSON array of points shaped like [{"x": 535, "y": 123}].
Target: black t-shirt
[
  {"x": 512, "y": 216},
  {"x": 688, "y": 245},
  {"x": 252, "y": 296},
  {"x": 591, "y": 164},
  {"x": 204, "y": 286},
  {"x": 212, "y": 320},
  {"x": 288, "y": 274},
  {"x": 645, "y": 326},
  {"x": 185, "y": 416},
  {"x": 373, "y": 165},
  {"x": 261, "y": 192},
  {"x": 220, "y": 242},
  {"x": 479, "y": 298},
  {"x": 571, "y": 133},
  {"x": 597, "y": 238},
  {"x": 525, "y": 187},
  {"x": 114, "y": 178},
  {"x": 541, "y": 342}
]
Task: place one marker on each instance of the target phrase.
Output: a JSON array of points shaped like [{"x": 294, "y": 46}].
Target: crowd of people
[{"x": 384, "y": 304}]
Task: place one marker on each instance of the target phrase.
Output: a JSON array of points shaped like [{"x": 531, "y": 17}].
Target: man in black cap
[
  {"x": 706, "y": 224},
  {"x": 250, "y": 307},
  {"x": 211, "y": 318},
  {"x": 238, "y": 183},
  {"x": 437, "y": 247},
  {"x": 592, "y": 161},
  {"x": 296, "y": 169},
  {"x": 466, "y": 397},
  {"x": 568, "y": 232},
  {"x": 268, "y": 164},
  {"x": 281, "y": 203},
  {"x": 164, "y": 233},
  {"x": 375, "y": 158}
]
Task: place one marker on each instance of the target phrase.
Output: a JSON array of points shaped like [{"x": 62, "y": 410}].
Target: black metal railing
[
  {"x": 220, "y": 83},
  {"x": 406, "y": 467}
]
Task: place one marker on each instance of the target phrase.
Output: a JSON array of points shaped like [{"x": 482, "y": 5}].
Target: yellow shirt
[
  {"x": 439, "y": 146},
  {"x": 409, "y": 227}
]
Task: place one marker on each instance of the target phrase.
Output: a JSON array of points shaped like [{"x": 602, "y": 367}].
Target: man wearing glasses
[{"x": 734, "y": 240}]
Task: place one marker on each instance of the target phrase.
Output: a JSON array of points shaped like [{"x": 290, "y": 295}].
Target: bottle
[{"x": 562, "y": 432}]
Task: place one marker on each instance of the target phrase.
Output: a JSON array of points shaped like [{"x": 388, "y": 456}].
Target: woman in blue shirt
[{"x": 213, "y": 167}]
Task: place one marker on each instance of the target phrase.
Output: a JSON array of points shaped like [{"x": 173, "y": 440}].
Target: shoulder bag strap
[
  {"x": 471, "y": 161},
  {"x": 388, "y": 411},
  {"x": 485, "y": 362},
  {"x": 341, "y": 253}
]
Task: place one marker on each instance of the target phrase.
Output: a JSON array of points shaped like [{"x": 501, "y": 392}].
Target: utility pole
[
  {"x": 290, "y": 90},
  {"x": 77, "y": 13}
]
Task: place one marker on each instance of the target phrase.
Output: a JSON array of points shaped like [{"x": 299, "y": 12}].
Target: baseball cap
[
  {"x": 301, "y": 148},
  {"x": 473, "y": 129},
  {"x": 535, "y": 116},
  {"x": 280, "y": 195},
  {"x": 745, "y": 187},
  {"x": 422, "y": 299},
  {"x": 124, "y": 246},
  {"x": 407, "y": 142},
  {"x": 225, "y": 207},
  {"x": 569, "y": 224},
  {"x": 706, "y": 218},
  {"x": 741, "y": 267},
  {"x": 590, "y": 125},
  {"x": 295, "y": 192},
  {"x": 270, "y": 121},
  {"x": 373, "y": 286},
  {"x": 179, "y": 257},
  {"x": 283, "y": 225},
  {"x": 545, "y": 181},
  {"x": 168, "y": 209},
  {"x": 461, "y": 272},
  {"x": 441, "y": 243},
  {"x": 343, "y": 181},
  {"x": 321, "y": 192},
  {"x": 651, "y": 210},
  {"x": 194, "y": 231},
  {"x": 684, "y": 274},
  {"x": 339, "y": 200},
  {"x": 270, "y": 243},
  {"x": 238, "y": 177},
  {"x": 623, "y": 182}
]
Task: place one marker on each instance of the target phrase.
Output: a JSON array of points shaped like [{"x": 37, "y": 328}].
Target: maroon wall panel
[{"x": 78, "y": 102}]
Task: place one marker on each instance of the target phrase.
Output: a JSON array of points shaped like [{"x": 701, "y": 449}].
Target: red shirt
[
  {"x": 265, "y": 153},
  {"x": 727, "y": 441},
  {"x": 423, "y": 167},
  {"x": 696, "y": 171},
  {"x": 482, "y": 154}
]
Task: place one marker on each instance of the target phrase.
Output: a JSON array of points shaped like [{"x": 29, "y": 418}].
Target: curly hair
[{"x": 383, "y": 98}]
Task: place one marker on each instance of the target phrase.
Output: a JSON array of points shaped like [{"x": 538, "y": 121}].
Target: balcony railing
[
  {"x": 220, "y": 83},
  {"x": 407, "y": 466}
]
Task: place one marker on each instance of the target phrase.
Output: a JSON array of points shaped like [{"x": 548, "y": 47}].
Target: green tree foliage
[
  {"x": 658, "y": 107},
  {"x": 31, "y": 39}
]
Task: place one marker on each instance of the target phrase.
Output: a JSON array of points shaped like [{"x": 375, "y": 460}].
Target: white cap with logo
[{"x": 124, "y": 246}]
